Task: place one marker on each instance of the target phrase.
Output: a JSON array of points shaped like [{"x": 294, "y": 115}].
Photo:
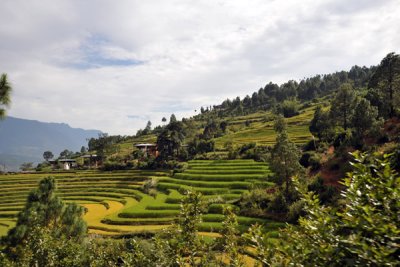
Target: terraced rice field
[
  {"x": 116, "y": 203},
  {"x": 262, "y": 132}
]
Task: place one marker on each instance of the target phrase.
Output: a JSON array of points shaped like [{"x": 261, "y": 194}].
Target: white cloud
[{"x": 114, "y": 65}]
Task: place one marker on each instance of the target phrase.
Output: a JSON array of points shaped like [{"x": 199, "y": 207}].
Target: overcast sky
[{"x": 113, "y": 65}]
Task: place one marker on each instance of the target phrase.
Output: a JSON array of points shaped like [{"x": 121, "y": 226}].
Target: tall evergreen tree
[
  {"x": 386, "y": 80},
  {"x": 5, "y": 91},
  {"x": 170, "y": 139},
  {"x": 172, "y": 118},
  {"x": 321, "y": 125},
  {"x": 44, "y": 209},
  {"x": 285, "y": 156},
  {"x": 364, "y": 118},
  {"x": 342, "y": 105}
]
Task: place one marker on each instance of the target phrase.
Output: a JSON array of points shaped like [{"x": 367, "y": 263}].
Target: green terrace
[{"x": 117, "y": 203}]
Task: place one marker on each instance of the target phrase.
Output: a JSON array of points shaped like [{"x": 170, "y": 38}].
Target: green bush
[
  {"x": 311, "y": 159},
  {"x": 289, "y": 108},
  {"x": 296, "y": 210},
  {"x": 278, "y": 204}
]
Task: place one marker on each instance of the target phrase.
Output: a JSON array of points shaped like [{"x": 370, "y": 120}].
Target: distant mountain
[{"x": 25, "y": 140}]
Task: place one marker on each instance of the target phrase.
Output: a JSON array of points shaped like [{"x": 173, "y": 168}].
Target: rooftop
[{"x": 144, "y": 144}]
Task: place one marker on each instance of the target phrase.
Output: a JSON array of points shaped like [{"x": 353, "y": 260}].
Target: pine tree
[
  {"x": 342, "y": 106},
  {"x": 386, "y": 81},
  {"x": 285, "y": 156},
  {"x": 45, "y": 210},
  {"x": 5, "y": 91}
]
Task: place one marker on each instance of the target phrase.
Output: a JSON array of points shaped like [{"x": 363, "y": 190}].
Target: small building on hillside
[
  {"x": 91, "y": 160},
  {"x": 67, "y": 163},
  {"x": 148, "y": 149}
]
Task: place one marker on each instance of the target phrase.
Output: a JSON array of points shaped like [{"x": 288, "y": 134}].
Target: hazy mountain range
[{"x": 25, "y": 140}]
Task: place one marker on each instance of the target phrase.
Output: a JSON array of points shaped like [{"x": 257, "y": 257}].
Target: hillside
[
  {"x": 250, "y": 119},
  {"x": 25, "y": 140}
]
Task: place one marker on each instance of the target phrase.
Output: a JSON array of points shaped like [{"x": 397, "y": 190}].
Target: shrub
[
  {"x": 254, "y": 199},
  {"x": 278, "y": 204},
  {"x": 311, "y": 159},
  {"x": 296, "y": 210},
  {"x": 290, "y": 108}
]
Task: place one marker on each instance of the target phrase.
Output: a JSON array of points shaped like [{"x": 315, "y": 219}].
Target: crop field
[
  {"x": 116, "y": 202},
  {"x": 261, "y": 129}
]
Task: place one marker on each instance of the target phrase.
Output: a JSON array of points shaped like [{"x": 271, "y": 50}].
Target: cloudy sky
[{"x": 113, "y": 65}]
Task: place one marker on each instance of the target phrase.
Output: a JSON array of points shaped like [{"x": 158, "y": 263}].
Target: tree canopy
[
  {"x": 385, "y": 85},
  {"x": 342, "y": 105},
  {"x": 5, "y": 92},
  {"x": 47, "y": 155}
]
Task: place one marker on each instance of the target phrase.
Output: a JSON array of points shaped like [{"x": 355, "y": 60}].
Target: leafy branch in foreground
[{"x": 365, "y": 232}]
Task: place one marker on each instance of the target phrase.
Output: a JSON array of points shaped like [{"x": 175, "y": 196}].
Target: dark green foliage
[
  {"x": 257, "y": 199},
  {"x": 321, "y": 125},
  {"x": 172, "y": 119},
  {"x": 47, "y": 230},
  {"x": 211, "y": 130},
  {"x": 385, "y": 85},
  {"x": 296, "y": 210},
  {"x": 199, "y": 146},
  {"x": 289, "y": 108},
  {"x": 66, "y": 154},
  {"x": 117, "y": 165},
  {"x": 311, "y": 159},
  {"x": 395, "y": 158},
  {"x": 278, "y": 204},
  {"x": 5, "y": 92},
  {"x": 342, "y": 106},
  {"x": 44, "y": 209},
  {"x": 223, "y": 125},
  {"x": 327, "y": 194},
  {"x": 267, "y": 98},
  {"x": 364, "y": 232},
  {"x": 26, "y": 166},
  {"x": 170, "y": 139},
  {"x": 364, "y": 117},
  {"x": 104, "y": 144},
  {"x": 285, "y": 156},
  {"x": 47, "y": 155}
]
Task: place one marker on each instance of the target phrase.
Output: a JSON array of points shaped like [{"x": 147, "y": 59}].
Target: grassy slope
[{"x": 262, "y": 132}]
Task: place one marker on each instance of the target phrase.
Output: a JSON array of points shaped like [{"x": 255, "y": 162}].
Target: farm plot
[
  {"x": 261, "y": 131},
  {"x": 100, "y": 191},
  {"x": 221, "y": 182},
  {"x": 117, "y": 204}
]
